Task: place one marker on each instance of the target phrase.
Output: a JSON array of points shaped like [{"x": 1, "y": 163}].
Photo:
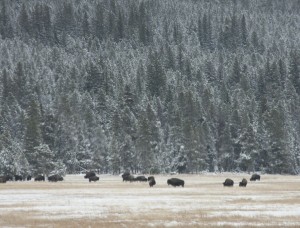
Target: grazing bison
[
  {"x": 255, "y": 177},
  {"x": 55, "y": 178},
  {"x": 18, "y": 178},
  {"x": 8, "y": 177},
  {"x": 175, "y": 182},
  {"x": 39, "y": 178},
  {"x": 28, "y": 177},
  {"x": 89, "y": 174},
  {"x": 93, "y": 178},
  {"x": 141, "y": 178},
  {"x": 2, "y": 179},
  {"x": 243, "y": 183},
  {"x": 228, "y": 182}
]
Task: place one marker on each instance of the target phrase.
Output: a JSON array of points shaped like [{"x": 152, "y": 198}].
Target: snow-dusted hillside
[{"x": 149, "y": 86}]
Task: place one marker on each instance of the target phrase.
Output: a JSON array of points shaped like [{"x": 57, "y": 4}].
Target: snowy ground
[{"x": 203, "y": 202}]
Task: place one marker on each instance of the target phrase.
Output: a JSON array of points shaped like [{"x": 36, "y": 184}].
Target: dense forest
[{"x": 150, "y": 86}]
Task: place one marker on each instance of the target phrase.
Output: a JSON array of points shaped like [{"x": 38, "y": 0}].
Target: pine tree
[
  {"x": 143, "y": 25},
  {"x": 7, "y": 84},
  {"x": 20, "y": 82},
  {"x": 234, "y": 31},
  {"x": 294, "y": 70},
  {"x": 236, "y": 73},
  {"x": 120, "y": 27},
  {"x": 93, "y": 80},
  {"x": 156, "y": 79},
  {"x": 85, "y": 25},
  {"x": 244, "y": 32},
  {"x": 145, "y": 157},
  {"x": 6, "y": 30},
  {"x": 140, "y": 76},
  {"x": 98, "y": 22},
  {"x": 24, "y": 21},
  {"x": 254, "y": 40},
  {"x": 43, "y": 160},
  {"x": 210, "y": 72},
  {"x": 33, "y": 137}
]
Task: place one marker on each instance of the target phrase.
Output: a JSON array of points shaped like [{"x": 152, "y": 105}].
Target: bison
[
  {"x": 255, "y": 177},
  {"x": 89, "y": 174},
  {"x": 175, "y": 182},
  {"x": 228, "y": 182},
  {"x": 8, "y": 177},
  {"x": 150, "y": 178},
  {"x": 243, "y": 183},
  {"x": 141, "y": 178},
  {"x": 152, "y": 182},
  {"x": 18, "y": 178},
  {"x": 39, "y": 178},
  {"x": 125, "y": 176},
  {"x": 2, "y": 179},
  {"x": 28, "y": 177},
  {"x": 128, "y": 178},
  {"x": 55, "y": 178},
  {"x": 93, "y": 178}
]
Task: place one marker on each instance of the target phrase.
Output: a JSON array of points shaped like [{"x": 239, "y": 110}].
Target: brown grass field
[{"x": 203, "y": 202}]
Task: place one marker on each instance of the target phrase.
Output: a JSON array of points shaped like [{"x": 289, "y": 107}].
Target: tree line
[{"x": 149, "y": 86}]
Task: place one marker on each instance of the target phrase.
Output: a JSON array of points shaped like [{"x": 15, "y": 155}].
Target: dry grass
[{"x": 203, "y": 202}]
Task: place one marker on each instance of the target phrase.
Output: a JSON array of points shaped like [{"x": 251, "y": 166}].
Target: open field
[{"x": 203, "y": 202}]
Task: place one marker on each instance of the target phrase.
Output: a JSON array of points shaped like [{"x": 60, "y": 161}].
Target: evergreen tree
[
  {"x": 210, "y": 72},
  {"x": 85, "y": 25},
  {"x": 6, "y": 30},
  {"x": 98, "y": 23},
  {"x": 24, "y": 21},
  {"x": 120, "y": 27},
  {"x": 93, "y": 80},
  {"x": 20, "y": 82},
  {"x": 294, "y": 71},
  {"x": 8, "y": 86},
  {"x": 156, "y": 79},
  {"x": 236, "y": 73},
  {"x": 33, "y": 137},
  {"x": 145, "y": 157},
  {"x": 244, "y": 32},
  {"x": 43, "y": 160}
]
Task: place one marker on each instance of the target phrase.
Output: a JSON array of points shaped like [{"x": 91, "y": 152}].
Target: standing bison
[
  {"x": 127, "y": 177},
  {"x": 18, "y": 178},
  {"x": 228, "y": 183},
  {"x": 175, "y": 182},
  {"x": 39, "y": 178},
  {"x": 8, "y": 177},
  {"x": 243, "y": 183},
  {"x": 89, "y": 174},
  {"x": 2, "y": 179},
  {"x": 141, "y": 178},
  {"x": 93, "y": 178},
  {"x": 151, "y": 181},
  {"x": 255, "y": 177},
  {"x": 55, "y": 178}
]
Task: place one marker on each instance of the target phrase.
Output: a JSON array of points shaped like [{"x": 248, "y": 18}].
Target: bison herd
[
  {"x": 5, "y": 178},
  {"x": 229, "y": 183},
  {"x": 126, "y": 176},
  {"x": 52, "y": 178}
]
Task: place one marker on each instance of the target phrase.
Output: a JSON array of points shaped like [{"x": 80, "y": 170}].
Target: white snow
[{"x": 110, "y": 197}]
